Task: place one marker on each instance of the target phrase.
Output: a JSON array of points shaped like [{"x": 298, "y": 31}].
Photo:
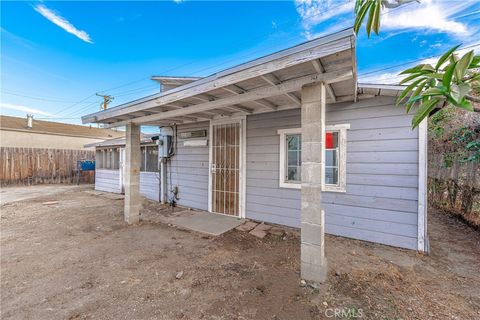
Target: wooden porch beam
[
  {"x": 266, "y": 104},
  {"x": 255, "y": 94},
  {"x": 240, "y": 108},
  {"x": 284, "y": 59},
  {"x": 273, "y": 80},
  {"x": 317, "y": 64},
  {"x": 234, "y": 89}
]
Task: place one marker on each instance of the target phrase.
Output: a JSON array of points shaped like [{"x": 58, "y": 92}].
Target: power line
[
  {"x": 411, "y": 61},
  {"x": 248, "y": 40},
  {"x": 35, "y": 98},
  {"x": 79, "y": 111},
  {"x": 75, "y": 104},
  {"x": 180, "y": 66},
  {"x": 58, "y": 118},
  {"x": 137, "y": 90}
]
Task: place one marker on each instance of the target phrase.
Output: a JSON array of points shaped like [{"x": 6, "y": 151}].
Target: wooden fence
[
  {"x": 454, "y": 187},
  {"x": 36, "y": 166}
]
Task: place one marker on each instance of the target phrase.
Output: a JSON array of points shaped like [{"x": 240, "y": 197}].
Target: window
[
  {"x": 335, "y": 158},
  {"x": 149, "y": 161},
  {"x": 294, "y": 157},
  {"x": 331, "y": 158},
  {"x": 107, "y": 158}
]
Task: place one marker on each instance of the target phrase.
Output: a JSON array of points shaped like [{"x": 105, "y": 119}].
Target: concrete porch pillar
[
  {"x": 132, "y": 174},
  {"x": 313, "y": 261}
]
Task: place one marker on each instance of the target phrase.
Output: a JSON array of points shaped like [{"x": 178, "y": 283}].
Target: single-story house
[
  {"x": 289, "y": 138},
  {"x": 29, "y": 132},
  {"x": 109, "y": 166}
]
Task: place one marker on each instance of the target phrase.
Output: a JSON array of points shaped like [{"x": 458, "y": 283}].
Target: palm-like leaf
[{"x": 450, "y": 81}]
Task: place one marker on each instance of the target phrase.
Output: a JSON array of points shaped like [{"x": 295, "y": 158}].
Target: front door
[{"x": 225, "y": 168}]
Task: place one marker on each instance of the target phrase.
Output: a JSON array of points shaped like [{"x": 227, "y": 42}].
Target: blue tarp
[{"x": 86, "y": 165}]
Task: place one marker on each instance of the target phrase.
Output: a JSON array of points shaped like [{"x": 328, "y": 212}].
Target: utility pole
[{"x": 106, "y": 100}]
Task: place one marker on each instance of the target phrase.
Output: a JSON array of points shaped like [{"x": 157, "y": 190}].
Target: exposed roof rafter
[
  {"x": 254, "y": 94},
  {"x": 317, "y": 64}
]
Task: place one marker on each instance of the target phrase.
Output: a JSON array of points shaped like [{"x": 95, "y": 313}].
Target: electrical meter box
[{"x": 165, "y": 146}]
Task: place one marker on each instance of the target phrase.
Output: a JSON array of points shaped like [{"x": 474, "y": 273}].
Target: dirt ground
[{"x": 77, "y": 260}]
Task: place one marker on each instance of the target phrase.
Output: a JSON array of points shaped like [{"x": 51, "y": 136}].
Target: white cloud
[
  {"x": 394, "y": 77},
  {"x": 427, "y": 15},
  {"x": 62, "y": 22},
  {"x": 17, "y": 107},
  {"x": 382, "y": 78},
  {"x": 315, "y": 12}
]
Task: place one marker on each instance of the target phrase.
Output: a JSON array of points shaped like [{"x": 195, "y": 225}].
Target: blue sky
[{"x": 56, "y": 55}]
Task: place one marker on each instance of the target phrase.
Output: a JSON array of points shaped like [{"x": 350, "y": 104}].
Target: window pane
[
  {"x": 293, "y": 142},
  {"x": 331, "y": 140},
  {"x": 294, "y": 173},
  {"x": 116, "y": 158},
  {"x": 142, "y": 163},
  {"x": 152, "y": 159},
  {"x": 331, "y": 158},
  {"x": 331, "y": 175},
  {"x": 97, "y": 159},
  {"x": 108, "y": 160},
  {"x": 293, "y": 158}
]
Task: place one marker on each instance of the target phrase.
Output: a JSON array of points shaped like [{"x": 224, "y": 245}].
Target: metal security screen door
[{"x": 225, "y": 168}]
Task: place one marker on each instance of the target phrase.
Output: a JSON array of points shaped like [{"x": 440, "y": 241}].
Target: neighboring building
[
  {"x": 22, "y": 132},
  {"x": 283, "y": 139},
  {"x": 109, "y": 166},
  {"x": 36, "y": 152}
]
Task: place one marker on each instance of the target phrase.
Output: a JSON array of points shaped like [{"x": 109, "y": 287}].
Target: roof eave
[{"x": 94, "y": 117}]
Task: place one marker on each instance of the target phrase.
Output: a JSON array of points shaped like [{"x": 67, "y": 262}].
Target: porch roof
[{"x": 267, "y": 84}]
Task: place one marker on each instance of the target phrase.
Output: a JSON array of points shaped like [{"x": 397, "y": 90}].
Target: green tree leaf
[
  {"x": 475, "y": 63},
  {"x": 436, "y": 91},
  {"x": 428, "y": 67},
  {"x": 407, "y": 90},
  {"x": 462, "y": 65},
  {"x": 361, "y": 14},
  {"x": 445, "y": 56},
  {"x": 424, "y": 111},
  {"x": 415, "y": 96},
  {"x": 413, "y": 76},
  {"x": 467, "y": 105},
  {"x": 458, "y": 91},
  {"x": 372, "y": 16},
  {"x": 447, "y": 77},
  {"x": 415, "y": 69}
]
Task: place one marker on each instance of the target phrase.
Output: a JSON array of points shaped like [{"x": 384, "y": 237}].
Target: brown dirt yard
[{"x": 76, "y": 259}]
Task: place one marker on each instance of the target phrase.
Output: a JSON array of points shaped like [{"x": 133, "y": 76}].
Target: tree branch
[
  {"x": 472, "y": 98},
  {"x": 476, "y": 104}
]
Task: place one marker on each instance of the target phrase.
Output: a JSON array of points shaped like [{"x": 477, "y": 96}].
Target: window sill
[
  {"x": 287, "y": 185},
  {"x": 298, "y": 186},
  {"x": 334, "y": 189}
]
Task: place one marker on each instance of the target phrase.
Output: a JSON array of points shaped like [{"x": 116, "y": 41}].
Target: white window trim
[
  {"x": 282, "y": 182},
  {"x": 342, "y": 166}
]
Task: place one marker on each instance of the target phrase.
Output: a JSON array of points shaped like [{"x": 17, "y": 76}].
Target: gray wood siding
[
  {"x": 188, "y": 170},
  {"x": 107, "y": 180},
  {"x": 150, "y": 185},
  {"x": 380, "y": 204}
]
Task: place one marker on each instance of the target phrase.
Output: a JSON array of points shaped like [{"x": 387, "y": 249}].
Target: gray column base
[
  {"x": 314, "y": 272},
  {"x": 132, "y": 214}
]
